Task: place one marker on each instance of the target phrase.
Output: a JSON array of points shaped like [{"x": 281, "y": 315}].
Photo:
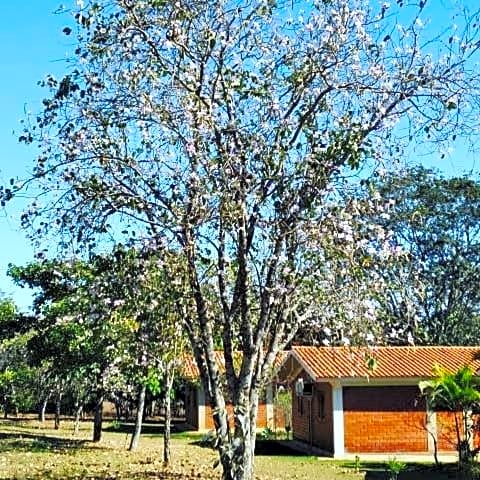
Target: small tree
[
  {"x": 74, "y": 325},
  {"x": 149, "y": 290},
  {"x": 458, "y": 392},
  {"x": 16, "y": 376},
  {"x": 16, "y": 373}
]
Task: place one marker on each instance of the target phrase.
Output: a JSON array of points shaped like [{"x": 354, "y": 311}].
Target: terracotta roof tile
[
  {"x": 190, "y": 370},
  {"x": 391, "y": 362}
]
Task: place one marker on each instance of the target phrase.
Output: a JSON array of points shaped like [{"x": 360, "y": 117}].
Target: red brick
[{"x": 384, "y": 419}]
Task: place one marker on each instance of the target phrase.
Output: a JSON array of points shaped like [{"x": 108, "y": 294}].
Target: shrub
[{"x": 394, "y": 468}]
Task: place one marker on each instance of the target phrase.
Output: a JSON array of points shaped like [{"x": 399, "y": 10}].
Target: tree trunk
[
  {"x": 237, "y": 457},
  {"x": 98, "y": 416},
  {"x": 14, "y": 402},
  {"x": 58, "y": 404},
  {"x": 168, "y": 416},
  {"x": 220, "y": 419},
  {"x": 253, "y": 423},
  {"x": 138, "y": 421},
  {"x": 118, "y": 410},
  {"x": 41, "y": 409},
  {"x": 78, "y": 414},
  {"x": 127, "y": 411},
  {"x": 435, "y": 450}
]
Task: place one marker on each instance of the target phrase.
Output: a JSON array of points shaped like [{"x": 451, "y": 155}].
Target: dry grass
[{"x": 29, "y": 450}]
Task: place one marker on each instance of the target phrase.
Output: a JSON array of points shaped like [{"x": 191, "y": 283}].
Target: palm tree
[{"x": 458, "y": 392}]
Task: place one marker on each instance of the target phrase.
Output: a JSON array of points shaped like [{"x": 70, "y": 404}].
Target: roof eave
[{"x": 371, "y": 380}]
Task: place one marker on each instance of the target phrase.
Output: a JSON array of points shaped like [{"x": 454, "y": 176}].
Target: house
[
  {"x": 342, "y": 405},
  {"x": 198, "y": 412}
]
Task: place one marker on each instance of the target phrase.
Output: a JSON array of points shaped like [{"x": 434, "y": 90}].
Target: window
[{"x": 307, "y": 389}]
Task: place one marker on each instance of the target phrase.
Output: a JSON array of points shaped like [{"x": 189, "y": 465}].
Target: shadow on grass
[
  {"x": 29, "y": 442},
  {"x": 151, "y": 475},
  {"x": 275, "y": 448},
  {"x": 150, "y": 427},
  {"x": 414, "y": 471},
  {"x": 127, "y": 427},
  {"x": 263, "y": 448}
]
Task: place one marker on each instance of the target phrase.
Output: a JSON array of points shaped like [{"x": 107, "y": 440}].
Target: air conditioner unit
[{"x": 299, "y": 387}]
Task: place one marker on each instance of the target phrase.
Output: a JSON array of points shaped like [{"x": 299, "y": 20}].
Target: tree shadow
[
  {"x": 379, "y": 471},
  {"x": 148, "y": 428},
  {"x": 29, "y": 442},
  {"x": 147, "y": 475},
  {"x": 275, "y": 448},
  {"x": 267, "y": 448}
]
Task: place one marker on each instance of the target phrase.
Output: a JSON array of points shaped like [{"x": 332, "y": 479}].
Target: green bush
[
  {"x": 267, "y": 434},
  {"x": 394, "y": 468},
  {"x": 470, "y": 471}
]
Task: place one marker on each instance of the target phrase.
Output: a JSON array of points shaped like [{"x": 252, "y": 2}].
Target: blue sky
[{"x": 32, "y": 45}]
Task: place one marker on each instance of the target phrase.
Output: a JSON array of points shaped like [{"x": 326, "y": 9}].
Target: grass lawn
[{"x": 29, "y": 450}]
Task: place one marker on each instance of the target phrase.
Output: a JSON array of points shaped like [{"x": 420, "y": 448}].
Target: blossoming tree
[{"x": 222, "y": 129}]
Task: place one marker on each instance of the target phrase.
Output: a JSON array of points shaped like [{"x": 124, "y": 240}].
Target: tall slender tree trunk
[
  {"x": 78, "y": 414},
  {"x": 139, "y": 419},
  {"x": 14, "y": 403},
  {"x": 169, "y": 377},
  {"x": 118, "y": 410},
  {"x": 98, "y": 415},
  {"x": 253, "y": 424},
  {"x": 58, "y": 405},
  {"x": 42, "y": 406}
]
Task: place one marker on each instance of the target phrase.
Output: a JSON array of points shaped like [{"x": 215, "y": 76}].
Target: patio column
[
  {"x": 338, "y": 424},
  {"x": 270, "y": 408},
  {"x": 201, "y": 408}
]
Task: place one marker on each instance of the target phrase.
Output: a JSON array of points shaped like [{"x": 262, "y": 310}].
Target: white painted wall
[{"x": 338, "y": 423}]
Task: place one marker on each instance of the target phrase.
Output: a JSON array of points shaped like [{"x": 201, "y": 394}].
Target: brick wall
[
  {"x": 280, "y": 417},
  {"x": 376, "y": 419},
  {"x": 261, "y": 416},
  {"x": 312, "y": 418},
  {"x": 446, "y": 430},
  {"x": 476, "y": 431},
  {"x": 300, "y": 421},
  {"x": 384, "y": 419}
]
